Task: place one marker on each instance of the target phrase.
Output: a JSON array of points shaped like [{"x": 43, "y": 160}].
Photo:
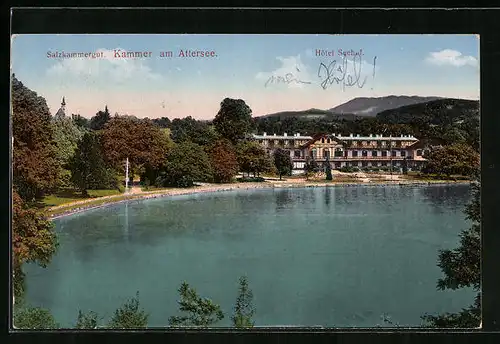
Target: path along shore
[{"x": 137, "y": 194}]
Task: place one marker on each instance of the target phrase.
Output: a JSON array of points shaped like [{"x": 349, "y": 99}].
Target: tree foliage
[
  {"x": 87, "y": 320},
  {"x": 35, "y": 167},
  {"x": 453, "y": 159},
  {"x": 252, "y": 158},
  {"x": 224, "y": 161},
  {"x": 88, "y": 167},
  {"x": 328, "y": 169},
  {"x": 33, "y": 240},
  {"x": 34, "y": 318},
  {"x": 311, "y": 166},
  {"x": 234, "y": 119},
  {"x": 186, "y": 163},
  {"x": 198, "y": 311},
  {"x": 144, "y": 143},
  {"x": 190, "y": 129},
  {"x": 100, "y": 119},
  {"x": 129, "y": 316},
  {"x": 244, "y": 308},
  {"x": 80, "y": 121},
  {"x": 283, "y": 162},
  {"x": 461, "y": 268}
]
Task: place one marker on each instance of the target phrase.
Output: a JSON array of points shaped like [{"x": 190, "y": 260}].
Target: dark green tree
[
  {"x": 328, "y": 169},
  {"x": 34, "y": 318},
  {"x": 186, "y": 163},
  {"x": 35, "y": 168},
  {"x": 234, "y": 119},
  {"x": 199, "y": 311},
  {"x": 461, "y": 268},
  {"x": 453, "y": 159},
  {"x": 252, "y": 158},
  {"x": 190, "y": 129},
  {"x": 244, "y": 308},
  {"x": 87, "y": 320},
  {"x": 129, "y": 316},
  {"x": 100, "y": 119},
  {"x": 88, "y": 167},
  {"x": 33, "y": 240},
  {"x": 283, "y": 162},
  {"x": 80, "y": 121}
]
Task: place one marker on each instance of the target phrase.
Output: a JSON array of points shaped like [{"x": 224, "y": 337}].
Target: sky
[{"x": 271, "y": 73}]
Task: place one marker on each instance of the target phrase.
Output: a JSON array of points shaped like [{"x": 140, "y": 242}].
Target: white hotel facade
[{"x": 344, "y": 151}]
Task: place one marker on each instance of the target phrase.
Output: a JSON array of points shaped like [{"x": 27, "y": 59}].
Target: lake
[{"x": 329, "y": 256}]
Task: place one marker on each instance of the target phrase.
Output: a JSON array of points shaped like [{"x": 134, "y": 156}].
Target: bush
[{"x": 251, "y": 180}]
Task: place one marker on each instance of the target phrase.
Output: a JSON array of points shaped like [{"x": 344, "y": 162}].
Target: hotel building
[{"x": 344, "y": 151}]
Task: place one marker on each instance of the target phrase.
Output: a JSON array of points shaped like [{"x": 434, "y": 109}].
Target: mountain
[
  {"x": 369, "y": 107},
  {"x": 310, "y": 114},
  {"x": 437, "y": 112}
]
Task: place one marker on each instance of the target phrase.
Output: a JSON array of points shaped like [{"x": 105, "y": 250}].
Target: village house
[{"x": 349, "y": 151}]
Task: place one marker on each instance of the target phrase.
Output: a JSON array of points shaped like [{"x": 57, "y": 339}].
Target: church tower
[{"x": 61, "y": 113}]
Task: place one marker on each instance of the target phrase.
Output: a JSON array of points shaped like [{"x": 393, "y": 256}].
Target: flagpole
[{"x": 126, "y": 176}]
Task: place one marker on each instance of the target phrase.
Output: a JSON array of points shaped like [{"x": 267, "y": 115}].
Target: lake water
[{"x": 342, "y": 256}]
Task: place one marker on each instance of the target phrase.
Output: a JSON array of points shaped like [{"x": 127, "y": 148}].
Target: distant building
[
  {"x": 349, "y": 151},
  {"x": 61, "y": 113}
]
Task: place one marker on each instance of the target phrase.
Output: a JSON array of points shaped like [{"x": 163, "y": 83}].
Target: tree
[
  {"x": 234, "y": 119},
  {"x": 186, "y": 163},
  {"x": 141, "y": 141},
  {"x": 100, "y": 119},
  {"x": 310, "y": 166},
  {"x": 453, "y": 159},
  {"x": 461, "y": 267},
  {"x": 283, "y": 162},
  {"x": 35, "y": 168},
  {"x": 190, "y": 129},
  {"x": 87, "y": 320},
  {"x": 34, "y": 318},
  {"x": 253, "y": 158},
  {"x": 200, "y": 311},
  {"x": 88, "y": 168},
  {"x": 328, "y": 169},
  {"x": 80, "y": 121},
  {"x": 224, "y": 161},
  {"x": 244, "y": 309},
  {"x": 129, "y": 315},
  {"x": 66, "y": 135},
  {"x": 33, "y": 240},
  {"x": 162, "y": 122}
]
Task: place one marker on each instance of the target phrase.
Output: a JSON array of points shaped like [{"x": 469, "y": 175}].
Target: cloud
[
  {"x": 105, "y": 69},
  {"x": 449, "y": 57},
  {"x": 289, "y": 65}
]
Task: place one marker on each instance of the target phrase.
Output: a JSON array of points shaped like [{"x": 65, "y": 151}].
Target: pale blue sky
[{"x": 425, "y": 65}]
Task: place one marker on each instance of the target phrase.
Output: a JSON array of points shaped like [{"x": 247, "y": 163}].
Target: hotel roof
[
  {"x": 285, "y": 136},
  {"x": 375, "y": 137}
]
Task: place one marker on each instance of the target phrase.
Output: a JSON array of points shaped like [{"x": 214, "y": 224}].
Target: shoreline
[{"x": 240, "y": 186}]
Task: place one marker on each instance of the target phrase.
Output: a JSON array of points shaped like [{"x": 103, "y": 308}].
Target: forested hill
[
  {"x": 309, "y": 114},
  {"x": 369, "y": 107},
  {"x": 437, "y": 112}
]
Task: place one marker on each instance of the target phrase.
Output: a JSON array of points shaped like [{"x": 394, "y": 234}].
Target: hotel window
[
  {"x": 394, "y": 153},
  {"x": 354, "y": 153},
  {"x": 328, "y": 141},
  {"x": 374, "y": 153},
  {"x": 383, "y": 143},
  {"x": 403, "y": 153},
  {"x": 393, "y": 143},
  {"x": 419, "y": 152},
  {"x": 313, "y": 153},
  {"x": 364, "y": 153},
  {"x": 384, "y": 163},
  {"x": 323, "y": 140},
  {"x": 297, "y": 154},
  {"x": 364, "y": 163},
  {"x": 384, "y": 153},
  {"x": 338, "y": 152},
  {"x": 326, "y": 153}
]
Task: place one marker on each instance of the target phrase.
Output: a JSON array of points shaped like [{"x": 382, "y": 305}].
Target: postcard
[{"x": 221, "y": 181}]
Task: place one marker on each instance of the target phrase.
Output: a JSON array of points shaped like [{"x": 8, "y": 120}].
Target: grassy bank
[{"x": 71, "y": 195}]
